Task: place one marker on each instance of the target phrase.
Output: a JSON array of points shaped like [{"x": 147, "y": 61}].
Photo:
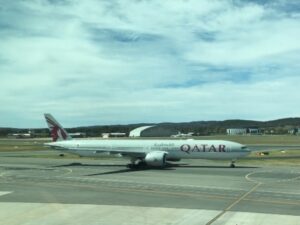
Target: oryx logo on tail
[{"x": 58, "y": 133}]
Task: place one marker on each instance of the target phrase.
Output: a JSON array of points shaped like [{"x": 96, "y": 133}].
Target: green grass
[
  {"x": 257, "y": 139},
  {"x": 8, "y": 144},
  {"x": 270, "y": 162}
]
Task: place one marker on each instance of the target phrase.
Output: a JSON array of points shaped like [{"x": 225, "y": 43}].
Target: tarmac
[{"x": 41, "y": 190}]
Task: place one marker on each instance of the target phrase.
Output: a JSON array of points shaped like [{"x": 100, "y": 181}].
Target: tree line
[{"x": 280, "y": 126}]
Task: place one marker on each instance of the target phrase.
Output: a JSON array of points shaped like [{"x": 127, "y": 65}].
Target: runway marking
[
  {"x": 67, "y": 173},
  {"x": 275, "y": 202},
  {"x": 234, "y": 203},
  {"x": 247, "y": 177},
  {"x": 4, "y": 192},
  {"x": 282, "y": 192}
]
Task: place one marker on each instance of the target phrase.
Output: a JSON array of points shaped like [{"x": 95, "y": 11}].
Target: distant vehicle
[
  {"x": 190, "y": 134},
  {"x": 146, "y": 152}
]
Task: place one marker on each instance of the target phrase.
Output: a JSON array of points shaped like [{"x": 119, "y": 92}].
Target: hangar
[
  {"x": 137, "y": 131},
  {"x": 152, "y": 131}
]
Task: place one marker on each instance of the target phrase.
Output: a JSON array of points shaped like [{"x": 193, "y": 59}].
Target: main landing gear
[
  {"x": 232, "y": 164},
  {"x": 136, "y": 164}
]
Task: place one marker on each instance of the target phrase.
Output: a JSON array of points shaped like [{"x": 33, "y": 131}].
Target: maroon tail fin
[{"x": 58, "y": 133}]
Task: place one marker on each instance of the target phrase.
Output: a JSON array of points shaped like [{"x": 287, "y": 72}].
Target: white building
[
  {"x": 236, "y": 131},
  {"x": 294, "y": 131},
  {"x": 242, "y": 131},
  {"x": 137, "y": 131}
]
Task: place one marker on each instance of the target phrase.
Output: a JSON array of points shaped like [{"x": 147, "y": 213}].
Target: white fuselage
[{"x": 175, "y": 149}]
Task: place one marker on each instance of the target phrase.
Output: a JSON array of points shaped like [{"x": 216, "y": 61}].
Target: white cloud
[{"x": 101, "y": 62}]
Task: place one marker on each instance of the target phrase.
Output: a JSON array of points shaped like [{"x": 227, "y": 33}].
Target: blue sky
[{"x": 117, "y": 62}]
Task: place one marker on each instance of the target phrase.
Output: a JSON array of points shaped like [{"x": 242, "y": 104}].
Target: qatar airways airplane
[{"x": 153, "y": 153}]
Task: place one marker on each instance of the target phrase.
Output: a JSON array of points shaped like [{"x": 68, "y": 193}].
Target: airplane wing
[{"x": 123, "y": 153}]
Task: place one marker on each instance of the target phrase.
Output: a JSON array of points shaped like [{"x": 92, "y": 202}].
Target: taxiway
[{"x": 35, "y": 189}]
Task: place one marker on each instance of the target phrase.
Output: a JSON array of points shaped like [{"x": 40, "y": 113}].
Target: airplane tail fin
[{"x": 58, "y": 133}]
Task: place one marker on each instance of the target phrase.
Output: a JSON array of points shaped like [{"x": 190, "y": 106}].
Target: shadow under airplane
[{"x": 169, "y": 166}]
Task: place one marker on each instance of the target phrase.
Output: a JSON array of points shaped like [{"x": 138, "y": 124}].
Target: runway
[{"x": 34, "y": 189}]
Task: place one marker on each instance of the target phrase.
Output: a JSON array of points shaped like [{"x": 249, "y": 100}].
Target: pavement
[{"x": 41, "y": 190}]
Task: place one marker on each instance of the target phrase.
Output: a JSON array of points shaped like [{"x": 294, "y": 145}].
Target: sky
[{"x": 102, "y": 62}]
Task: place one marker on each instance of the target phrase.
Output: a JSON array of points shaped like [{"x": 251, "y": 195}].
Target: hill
[{"x": 279, "y": 126}]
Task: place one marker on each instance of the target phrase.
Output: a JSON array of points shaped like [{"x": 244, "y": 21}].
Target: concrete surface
[{"x": 81, "y": 191}]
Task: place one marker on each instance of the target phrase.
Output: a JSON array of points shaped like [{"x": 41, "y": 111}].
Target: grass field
[
  {"x": 258, "y": 139},
  {"x": 7, "y": 145}
]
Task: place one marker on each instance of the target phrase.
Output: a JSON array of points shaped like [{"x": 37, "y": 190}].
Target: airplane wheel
[
  {"x": 232, "y": 165},
  {"x": 131, "y": 166},
  {"x": 134, "y": 166},
  {"x": 141, "y": 164}
]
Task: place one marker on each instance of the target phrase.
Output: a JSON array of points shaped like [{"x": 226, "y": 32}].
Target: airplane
[
  {"x": 30, "y": 134},
  {"x": 154, "y": 153},
  {"x": 190, "y": 134}
]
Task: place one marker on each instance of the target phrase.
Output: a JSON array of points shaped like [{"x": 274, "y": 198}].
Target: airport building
[
  {"x": 294, "y": 131},
  {"x": 243, "y": 131},
  {"x": 137, "y": 132},
  {"x": 152, "y": 131},
  {"x": 253, "y": 131},
  {"x": 236, "y": 131},
  {"x": 78, "y": 135}
]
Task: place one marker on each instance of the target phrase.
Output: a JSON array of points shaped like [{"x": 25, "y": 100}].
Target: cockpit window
[{"x": 244, "y": 147}]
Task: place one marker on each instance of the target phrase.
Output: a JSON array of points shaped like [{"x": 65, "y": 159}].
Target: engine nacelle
[{"x": 156, "y": 158}]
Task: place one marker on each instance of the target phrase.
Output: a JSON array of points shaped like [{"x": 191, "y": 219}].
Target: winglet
[{"x": 58, "y": 133}]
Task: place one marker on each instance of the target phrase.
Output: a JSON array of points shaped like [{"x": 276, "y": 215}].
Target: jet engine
[{"x": 156, "y": 158}]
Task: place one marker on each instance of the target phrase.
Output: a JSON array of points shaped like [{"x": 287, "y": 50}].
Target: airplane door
[{"x": 228, "y": 148}]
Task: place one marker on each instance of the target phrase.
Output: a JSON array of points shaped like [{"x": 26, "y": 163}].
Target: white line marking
[
  {"x": 248, "y": 177},
  {"x": 66, "y": 173},
  {"x": 4, "y": 192},
  {"x": 234, "y": 203},
  {"x": 2, "y": 174}
]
